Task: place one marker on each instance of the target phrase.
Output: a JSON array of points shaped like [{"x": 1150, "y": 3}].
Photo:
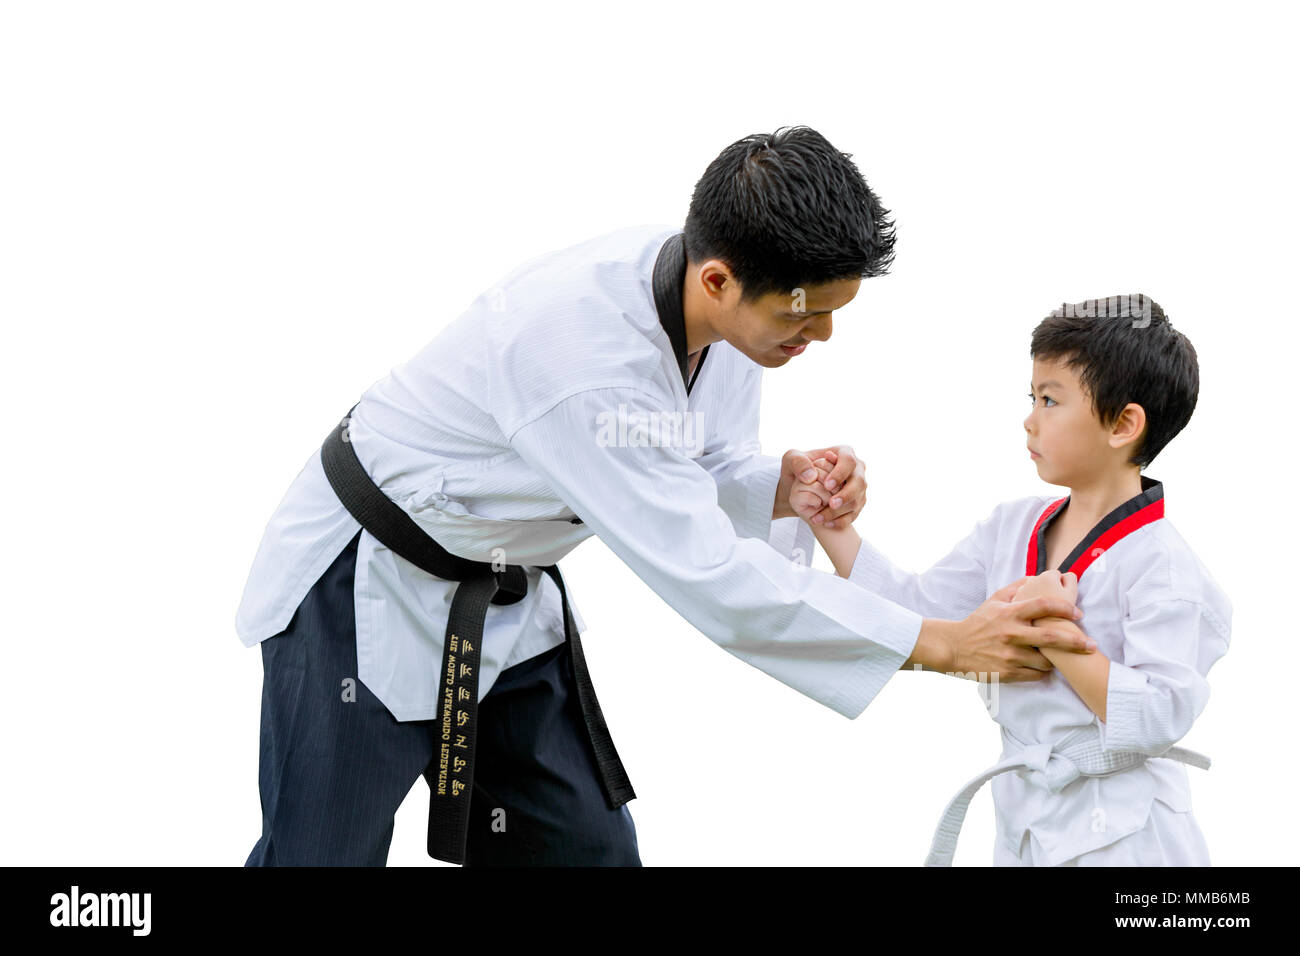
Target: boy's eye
[{"x": 1047, "y": 402}]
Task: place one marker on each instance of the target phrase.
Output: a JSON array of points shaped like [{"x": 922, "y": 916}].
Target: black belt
[{"x": 480, "y": 584}]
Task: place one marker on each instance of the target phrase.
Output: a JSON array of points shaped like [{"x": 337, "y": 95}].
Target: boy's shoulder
[
  {"x": 1170, "y": 569},
  {"x": 1021, "y": 512}
]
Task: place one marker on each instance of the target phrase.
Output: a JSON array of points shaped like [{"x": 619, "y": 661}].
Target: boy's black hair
[
  {"x": 785, "y": 210},
  {"x": 1125, "y": 351}
]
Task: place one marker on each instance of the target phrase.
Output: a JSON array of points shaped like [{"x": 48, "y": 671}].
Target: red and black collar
[{"x": 1139, "y": 510}]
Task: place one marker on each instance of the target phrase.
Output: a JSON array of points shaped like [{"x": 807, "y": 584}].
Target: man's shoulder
[
  {"x": 613, "y": 263},
  {"x": 597, "y": 291},
  {"x": 580, "y": 319}
]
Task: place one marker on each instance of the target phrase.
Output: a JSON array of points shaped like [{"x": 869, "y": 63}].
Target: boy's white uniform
[{"x": 1155, "y": 611}]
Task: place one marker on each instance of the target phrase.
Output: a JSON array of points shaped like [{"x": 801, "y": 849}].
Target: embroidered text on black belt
[{"x": 455, "y": 721}]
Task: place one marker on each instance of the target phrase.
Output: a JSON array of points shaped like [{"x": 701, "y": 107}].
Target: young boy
[{"x": 1081, "y": 780}]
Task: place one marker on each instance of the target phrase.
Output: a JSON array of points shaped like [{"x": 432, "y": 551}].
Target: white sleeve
[
  {"x": 1154, "y": 696},
  {"x": 747, "y": 480},
  {"x": 658, "y": 510},
  {"x": 952, "y": 588}
]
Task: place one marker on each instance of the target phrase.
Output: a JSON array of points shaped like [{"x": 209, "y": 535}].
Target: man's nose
[{"x": 819, "y": 329}]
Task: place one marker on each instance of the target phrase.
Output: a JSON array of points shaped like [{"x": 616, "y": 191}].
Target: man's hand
[
  {"x": 999, "y": 637},
  {"x": 845, "y": 485}
]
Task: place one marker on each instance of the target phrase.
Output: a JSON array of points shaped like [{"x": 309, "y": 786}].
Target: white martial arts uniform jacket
[
  {"x": 1152, "y": 608},
  {"x": 550, "y": 397}
]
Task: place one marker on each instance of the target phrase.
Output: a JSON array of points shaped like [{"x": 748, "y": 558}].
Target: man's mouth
[{"x": 794, "y": 350}]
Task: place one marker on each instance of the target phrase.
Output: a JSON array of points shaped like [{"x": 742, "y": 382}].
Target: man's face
[
  {"x": 1066, "y": 442},
  {"x": 776, "y": 327}
]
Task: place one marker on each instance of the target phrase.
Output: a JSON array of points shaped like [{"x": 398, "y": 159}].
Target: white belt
[{"x": 1051, "y": 766}]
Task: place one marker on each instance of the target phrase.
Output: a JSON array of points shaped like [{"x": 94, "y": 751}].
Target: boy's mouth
[{"x": 1033, "y": 454}]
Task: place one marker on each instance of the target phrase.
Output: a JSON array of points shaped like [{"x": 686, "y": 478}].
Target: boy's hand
[
  {"x": 847, "y": 484},
  {"x": 1050, "y": 584},
  {"x": 807, "y": 498}
]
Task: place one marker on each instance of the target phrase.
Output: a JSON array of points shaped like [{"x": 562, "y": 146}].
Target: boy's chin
[{"x": 1050, "y": 475}]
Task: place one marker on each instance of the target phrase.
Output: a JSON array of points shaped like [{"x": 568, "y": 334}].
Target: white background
[{"x": 220, "y": 222}]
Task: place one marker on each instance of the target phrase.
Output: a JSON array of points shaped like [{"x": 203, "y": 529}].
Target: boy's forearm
[
  {"x": 840, "y": 544},
  {"x": 1088, "y": 674}
]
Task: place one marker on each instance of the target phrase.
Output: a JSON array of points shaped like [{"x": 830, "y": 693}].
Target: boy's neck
[{"x": 1092, "y": 500}]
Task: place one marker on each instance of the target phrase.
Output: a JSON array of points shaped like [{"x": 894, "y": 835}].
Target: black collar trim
[{"x": 668, "y": 282}]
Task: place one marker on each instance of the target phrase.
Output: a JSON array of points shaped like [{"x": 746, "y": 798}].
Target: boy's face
[
  {"x": 1067, "y": 442},
  {"x": 776, "y": 327}
]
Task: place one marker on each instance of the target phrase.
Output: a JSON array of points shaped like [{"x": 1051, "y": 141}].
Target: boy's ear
[{"x": 1129, "y": 427}]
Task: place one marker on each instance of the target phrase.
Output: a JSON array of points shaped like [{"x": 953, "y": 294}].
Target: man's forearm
[
  {"x": 781, "y": 500},
  {"x": 1088, "y": 674}
]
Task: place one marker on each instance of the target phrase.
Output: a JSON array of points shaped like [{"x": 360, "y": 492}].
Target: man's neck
[{"x": 1093, "y": 500}]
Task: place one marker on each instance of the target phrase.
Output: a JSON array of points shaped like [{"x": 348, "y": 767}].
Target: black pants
[{"x": 333, "y": 771}]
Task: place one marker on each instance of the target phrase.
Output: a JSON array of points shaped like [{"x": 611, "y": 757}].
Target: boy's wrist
[
  {"x": 845, "y": 532},
  {"x": 840, "y": 544}
]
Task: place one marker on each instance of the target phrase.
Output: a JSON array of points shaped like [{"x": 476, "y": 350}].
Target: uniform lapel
[
  {"x": 1138, "y": 511},
  {"x": 668, "y": 281}
]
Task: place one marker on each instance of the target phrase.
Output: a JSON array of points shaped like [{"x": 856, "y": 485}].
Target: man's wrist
[
  {"x": 781, "y": 505},
  {"x": 934, "y": 646}
]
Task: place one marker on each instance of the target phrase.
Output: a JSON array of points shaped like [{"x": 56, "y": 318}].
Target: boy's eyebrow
[{"x": 1042, "y": 385}]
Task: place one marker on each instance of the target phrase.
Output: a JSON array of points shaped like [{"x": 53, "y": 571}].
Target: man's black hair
[
  {"x": 1125, "y": 350},
  {"x": 786, "y": 210}
]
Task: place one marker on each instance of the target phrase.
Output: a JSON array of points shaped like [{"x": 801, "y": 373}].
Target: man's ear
[
  {"x": 1129, "y": 427},
  {"x": 718, "y": 279}
]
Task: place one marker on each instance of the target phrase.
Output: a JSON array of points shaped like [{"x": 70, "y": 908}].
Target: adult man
[{"x": 531, "y": 422}]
